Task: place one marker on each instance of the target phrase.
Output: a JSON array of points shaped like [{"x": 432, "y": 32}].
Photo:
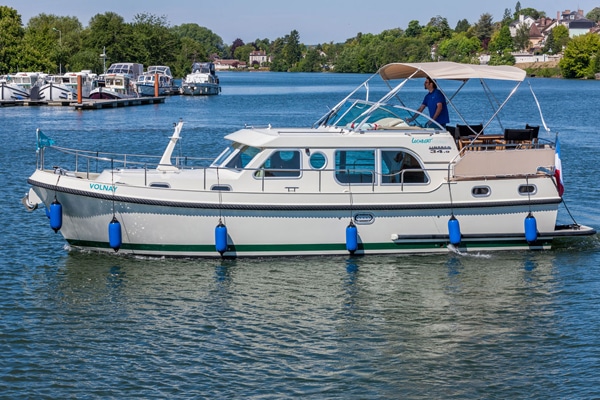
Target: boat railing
[
  {"x": 498, "y": 143},
  {"x": 85, "y": 161}
]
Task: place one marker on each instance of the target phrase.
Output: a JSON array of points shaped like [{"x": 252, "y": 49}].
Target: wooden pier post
[{"x": 79, "y": 89}]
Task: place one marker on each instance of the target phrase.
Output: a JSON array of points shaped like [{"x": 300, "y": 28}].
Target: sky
[{"x": 317, "y": 21}]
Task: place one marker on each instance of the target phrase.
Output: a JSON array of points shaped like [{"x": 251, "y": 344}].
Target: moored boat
[
  {"x": 146, "y": 83},
  {"x": 64, "y": 87},
  {"x": 19, "y": 86},
  {"x": 370, "y": 177},
  {"x": 203, "y": 80},
  {"x": 117, "y": 83}
]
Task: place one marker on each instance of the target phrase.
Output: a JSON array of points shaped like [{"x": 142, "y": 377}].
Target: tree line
[{"x": 49, "y": 43}]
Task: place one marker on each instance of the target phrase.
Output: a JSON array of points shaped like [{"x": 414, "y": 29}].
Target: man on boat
[{"x": 435, "y": 103}]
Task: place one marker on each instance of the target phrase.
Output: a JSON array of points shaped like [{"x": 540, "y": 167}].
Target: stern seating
[
  {"x": 521, "y": 138},
  {"x": 462, "y": 133}
]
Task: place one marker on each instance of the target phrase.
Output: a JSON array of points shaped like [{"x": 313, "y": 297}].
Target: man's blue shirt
[{"x": 431, "y": 100}]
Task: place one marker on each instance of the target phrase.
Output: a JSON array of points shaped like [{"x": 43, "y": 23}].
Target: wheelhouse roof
[{"x": 450, "y": 70}]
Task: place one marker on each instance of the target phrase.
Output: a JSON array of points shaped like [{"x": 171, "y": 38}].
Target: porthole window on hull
[
  {"x": 527, "y": 189},
  {"x": 481, "y": 191}
]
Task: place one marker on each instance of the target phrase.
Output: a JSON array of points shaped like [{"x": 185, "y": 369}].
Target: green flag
[{"x": 43, "y": 140}]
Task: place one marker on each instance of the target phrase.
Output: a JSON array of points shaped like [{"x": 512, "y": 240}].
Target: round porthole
[{"x": 318, "y": 160}]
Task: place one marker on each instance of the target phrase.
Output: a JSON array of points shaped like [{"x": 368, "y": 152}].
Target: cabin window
[
  {"x": 240, "y": 159},
  {"x": 318, "y": 160},
  {"x": 398, "y": 166},
  {"x": 481, "y": 191},
  {"x": 283, "y": 163},
  {"x": 355, "y": 166},
  {"x": 527, "y": 190}
]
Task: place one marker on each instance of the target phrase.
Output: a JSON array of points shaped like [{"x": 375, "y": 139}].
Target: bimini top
[{"x": 450, "y": 70}]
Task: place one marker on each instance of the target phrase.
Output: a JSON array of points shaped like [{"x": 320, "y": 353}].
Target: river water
[{"x": 484, "y": 325}]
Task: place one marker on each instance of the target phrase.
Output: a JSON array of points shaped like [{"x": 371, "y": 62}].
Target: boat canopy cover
[{"x": 450, "y": 70}]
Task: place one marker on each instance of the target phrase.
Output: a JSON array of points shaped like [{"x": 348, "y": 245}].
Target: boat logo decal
[
  {"x": 103, "y": 187},
  {"x": 364, "y": 218},
  {"x": 422, "y": 141}
]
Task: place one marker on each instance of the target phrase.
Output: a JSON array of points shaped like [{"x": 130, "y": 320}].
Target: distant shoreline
[{"x": 543, "y": 69}]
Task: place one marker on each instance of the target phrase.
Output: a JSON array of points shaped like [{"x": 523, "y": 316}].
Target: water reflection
[{"x": 399, "y": 319}]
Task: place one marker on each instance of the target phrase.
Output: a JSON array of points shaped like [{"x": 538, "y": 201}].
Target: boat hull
[
  {"x": 109, "y": 95},
  {"x": 148, "y": 90},
  {"x": 54, "y": 92},
  {"x": 10, "y": 92},
  {"x": 200, "y": 89},
  {"x": 154, "y": 225}
]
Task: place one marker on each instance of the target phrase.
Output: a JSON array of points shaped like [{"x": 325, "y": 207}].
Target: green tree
[
  {"x": 532, "y": 12},
  {"x": 462, "y": 26},
  {"x": 262, "y": 44},
  {"x": 236, "y": 43},
  {"x": 209, "y": 40},
  {"x": 286, "y": 52},
  {"x": 414, "y": 29},
  {"x": 484, "y": 29},
  {"x": 557, "y": 40},
  {"x": 190, "y": 51},
  {"x": 502, "y": 58},
  {"x": 460, "y": 48},
  {"x": 109, "y": 31},
  {"x": 507, "y": 18},
  {"x": 11, "y": 37},
  {"x": 242, "y": 53},
  {"x": 292, "y": 51},
  {"x": 312, "y": 62},
  {"x": 153, "y": 41},
  {"x": 436, "y": 29},
  {"x": 521, "y": 38},
  {"x": 594, "y": 14},
  {"x": 51, "y": 42},
  {"x": 581, "y": 57},
  {"x": 501, "y": 41}
]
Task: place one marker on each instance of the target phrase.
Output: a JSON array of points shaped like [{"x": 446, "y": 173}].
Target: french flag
[{"x": 558, "y": 170}]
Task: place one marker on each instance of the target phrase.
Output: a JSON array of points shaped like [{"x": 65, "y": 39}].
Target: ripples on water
[{"x": 483, "y": 325}]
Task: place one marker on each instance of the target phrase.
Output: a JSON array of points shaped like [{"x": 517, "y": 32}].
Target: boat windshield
[
  {"x": 357, "y": 113},
  {"x": 242, "y": 155}
]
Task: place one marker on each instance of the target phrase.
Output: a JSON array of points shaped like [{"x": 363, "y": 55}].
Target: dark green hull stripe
[{"x": 173, "y": 249}]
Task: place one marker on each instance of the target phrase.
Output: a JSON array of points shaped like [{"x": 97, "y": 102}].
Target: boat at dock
[
  {"x": 64, "y": 87},
  {"x": 372, "y": 176},
  {"x": 146, "y": 82},
  {"x": 117, "y": 83},
  {"x": 19, "y": 86},
  {"x": 203, "y": 81}
]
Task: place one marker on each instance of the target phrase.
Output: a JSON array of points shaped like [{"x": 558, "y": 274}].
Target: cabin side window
[
  {"x": 398, "y": 166},
  {"x": 355, "y": 166},
  {"x": 282, "y": 163}
]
